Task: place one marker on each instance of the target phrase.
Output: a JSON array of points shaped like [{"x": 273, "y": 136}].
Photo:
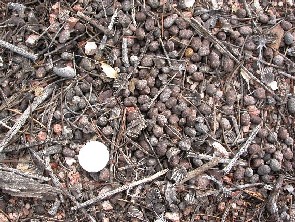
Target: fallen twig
[
  {"x": 57, "y": 183},
  {"x": 239, "y": 187},
  {"x": 18, "y": 50},
  {"x": 28, "y": 175},
  {"x": 286, "y": 74},
  {"x": 242, "y": 150},
  {"x": 93, "y": 22},
  {"x": 208, "y": 157},
  {"x": 119, "y": 189},
  {"x": 271, "y": 204},
  {"x": 23, "y": 118},
  {"x": 125, "y": 57},
  {"x": 105, "y": 36},
  {"x": 201, "y": 169},
  {"x": 165, "y": 53}
]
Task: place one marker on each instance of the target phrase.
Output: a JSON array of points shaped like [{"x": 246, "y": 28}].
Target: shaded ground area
[{"x": 195, "y": 101}]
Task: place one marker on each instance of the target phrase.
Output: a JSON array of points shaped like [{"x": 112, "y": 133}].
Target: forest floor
[{"x": 194, "y": 99}]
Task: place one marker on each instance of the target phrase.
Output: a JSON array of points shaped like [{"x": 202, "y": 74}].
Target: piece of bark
[{"x": 18, "y": 185}]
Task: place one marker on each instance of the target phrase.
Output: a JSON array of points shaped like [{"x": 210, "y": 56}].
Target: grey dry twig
[
  {"x": 18, "y": 50},
  {"x": 120, "y": 189},
  {"x": 242, "y": 150},
  {"x": 23, "y": 118}
]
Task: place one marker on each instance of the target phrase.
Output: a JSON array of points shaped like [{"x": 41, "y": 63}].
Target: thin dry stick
[
  {"x": 105, "y": 37},
  {"x": 120, "y": 189},
  {"x": 239, "y": 187},
  {"x": 208, "y": 157},
  {"x": 23, "y": 118},
  {"x": 133, "y": 14},
  {"x": 25, "y": 174},
  {"x": 286, "y": 74},
  {"x": 93, "y": 22},
  {"x": 242, "y": 150},
  {"x": 125, "y": 57},
  {"x": 201, "y": 169},
  {"x": 58, "y": 184},
  {"x": 165, "y": 52},
  {"x": 18, "y": 50},
  {"x": 271, "y": 204}
]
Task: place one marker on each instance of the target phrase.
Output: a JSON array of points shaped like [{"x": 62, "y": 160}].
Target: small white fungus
[{"x": 94, "y": 156}]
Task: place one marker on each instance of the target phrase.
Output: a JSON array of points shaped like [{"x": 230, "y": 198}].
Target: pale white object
[
  {"x": 189, "y": 3},
  {"x": 273, "y": 85},
  {"x": 90, "y": 48},
  {"x": 109, "y": 71},
  {"x": 220, "y": 150},
  {"x": 94, "y": 156},
  {"x": 32, "y": 39}
]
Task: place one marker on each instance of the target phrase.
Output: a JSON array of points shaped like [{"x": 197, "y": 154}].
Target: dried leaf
[
  {"x": 109, "y": 71},
  {"x": 219, "y": 149},
  {"x": 246, "y": 77},
  {"x": 278, "y": 32},
  {"x": 131, "y": 86}
]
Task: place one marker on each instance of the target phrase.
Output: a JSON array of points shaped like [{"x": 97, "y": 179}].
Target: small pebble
[
  {"x": 289, "y": 38},
  {"x": 169, "y": 20},
  {"x": 289, "y": 141},
  {"x": 65, "y": 72},
  {"x": 288, "y": 154},
  {"x": 211, "y": 89},
  {"x": 272, "y": 137},
  {"x": 241, "y": 13},
  {"x": 40, "y": 72},
  {"x": 259, "y": 93},
  {"x": 254, "y": 178},
  {"x": 239, "y": 174},
  {"x": 278, "y": 60},
  {"x": 245, "y": 119},
  {"x": 202, "y": 128},
  {"x": 249, "y": 100},
  {"x": 263, "y": 170},
  {"x": 263, "y": 18},
  {"x": 205, "y": 109},
  {"x": 245, "y": 30},
  {"x": 291, "y": 105},
  {"x": 248, "y": 172},
  {"x": 283, "y": 133},
  {"x": 184, "y": 144},
  {"x": 275, "y": 165},
  {"x": 225, "y": 124},
  {"x": 64, "y": 36},
  {"x": 87, "y": 64},
  {"x": 286, "y": 25},
  {"x": 68, "y": 152}
]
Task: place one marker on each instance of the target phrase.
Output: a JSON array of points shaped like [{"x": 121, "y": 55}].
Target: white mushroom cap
[{"x": 94, "y": 156}]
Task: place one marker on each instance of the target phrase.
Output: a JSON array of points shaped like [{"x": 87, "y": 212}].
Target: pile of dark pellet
[{"x": 175, "y": 94}]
